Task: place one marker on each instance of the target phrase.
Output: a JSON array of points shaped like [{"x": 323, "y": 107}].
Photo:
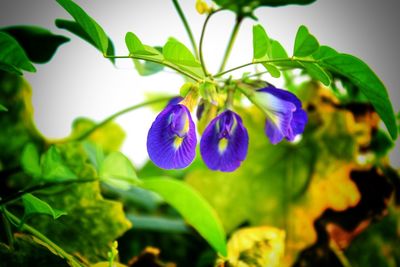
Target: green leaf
[
  {"x": 324, "y": 52},
  {"x": 274, "y": 71},
  {"x": 89, "y": 25},
  {"x": 370, "y": 85},
  {"x": 54, "y": 168},
  {"x": 261, "y": 43},
  {"x": 147, "y": 68},
  {"x": 30, "y": 160},
  {"x": 12, "y": 55},
  {"x": 3, "y": 108},
  {"x": 316, "y": 72},
  {"x": 76, "y": 29},
  {"x": 136, "y": 47},
  {"x": 177, "y": 53},
  {"x": 193, "y": 207},
  {"x": 277, "y": 50},
  {"x": 117, "y": 170},
  {"x": 10, "y": 68},
  {"x": 34, "y": 205},
  {"x": 39, "y": 44},
  {"x": 245, "y": 8},
  {"x": 305, "y": 43},
  {"x": 93, "y": 222}
]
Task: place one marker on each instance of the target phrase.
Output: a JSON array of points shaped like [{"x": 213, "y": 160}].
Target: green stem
[
  {"x": 190, "y": 75},
  {"x": 115, "y": 115},
  {"x": 7, "y": 228},
  {"x": 27, "y": 228},
  {"x": 230, "y": 43},
  {"x": 186, "y": 25},
  {"x": 266, "y": 61},
  {"x": 203, "y": 65},
  {"x": 42, "y": 186}
]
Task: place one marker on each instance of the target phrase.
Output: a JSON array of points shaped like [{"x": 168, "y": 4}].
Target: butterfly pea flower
[
  {"x": 285, "y": 117},
  {"x": 171, "y": 141},
  {"x": 224, "y": 143}
]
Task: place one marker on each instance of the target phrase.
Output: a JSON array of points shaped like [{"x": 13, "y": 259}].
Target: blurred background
[{"x": 78, "y": 81}]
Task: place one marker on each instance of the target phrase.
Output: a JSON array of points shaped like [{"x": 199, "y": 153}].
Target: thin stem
[
  {"x": 191, "y": 75},
  {"x": 230, "y": 97},
  {"x": 266, "y": 61},
  {"x": 186, "y": 25},
  {"x": 203, "y": 65},
  {"x": 230, "y": 43},
  {"x": 115, "y": 115},
  {"x": 62, "y": 253},
  {"x": 7, "y": 228},
  {"x": 42, "y": 186}
]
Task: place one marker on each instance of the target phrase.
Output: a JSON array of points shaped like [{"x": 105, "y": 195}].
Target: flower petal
[
  {"x": 286, "y": 118},
  {"x": 171, "y": 141},
  {"x": 224, "y": 143}
]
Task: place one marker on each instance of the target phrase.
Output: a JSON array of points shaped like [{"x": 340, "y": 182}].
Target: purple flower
[
  {"x": 171, "y": 141},
  {"x": 224, "y": 143},
  {"x": 285, "y": 117}
]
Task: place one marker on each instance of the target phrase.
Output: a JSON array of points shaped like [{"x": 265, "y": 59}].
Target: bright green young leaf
[
  {"x": 193, "y": 207},
  {"x": 89, "y": 25},
  {"x": 30, "y": 160},
  {"x": 177, "y": 53},
  {"x": 305, "y": 44},
  {"x": 12, "y": 55},
  {"x": 39, "y": 44},
  {"x": 76, "y": 29},
  {"x": 277, "y": 50},
  {"x": 370, "y": 85},
  {"x": 261, "y": 43},
  {"x": 118, "y": 171},
  {"x": 324, "y": 52},
  {"x": 3, "y": 108},
  {"x": 136, "y": 47},
  {"x": 54, "y": 168},
  {"x": 274, "y": 71},
  {"x": 317, "y": 72},
  {"x": 34, "y": 205}
]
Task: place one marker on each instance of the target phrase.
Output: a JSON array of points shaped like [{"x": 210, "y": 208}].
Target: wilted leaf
[
  {"x": 287, "y": 181},
  {"x": 39, "y": 44},
  {"x": 92, "y": 222},
  {"x": 109, "y": 137},
  {"x": 256, "y": 246},
  {"x": 370, "y": 85},
  {"x": 17, "y": 125},
  {"x": 378, "y": 245}
]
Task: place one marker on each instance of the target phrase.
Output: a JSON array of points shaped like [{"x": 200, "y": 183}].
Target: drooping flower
[
  {"x": 224, "y": 143},
  {"x": 285, "y": 117},
  {"x": 171, "y": 141}
]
